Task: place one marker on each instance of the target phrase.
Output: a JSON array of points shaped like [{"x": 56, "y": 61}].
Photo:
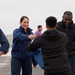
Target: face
[
  {"x": 25, "y": 23},
  {"x": 40, "y": 29},
  {"x": 67, "y": 19}
]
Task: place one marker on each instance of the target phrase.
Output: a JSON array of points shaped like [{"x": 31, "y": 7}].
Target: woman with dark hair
[{"x": 21, "y": 57}]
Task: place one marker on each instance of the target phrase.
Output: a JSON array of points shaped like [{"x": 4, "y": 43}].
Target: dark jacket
[
  {"x": 20, "y": 43},
  {"x": 54, "y": 51},
  {"x": 70, "y": 32},
  {"x": 4, "y": 44}
]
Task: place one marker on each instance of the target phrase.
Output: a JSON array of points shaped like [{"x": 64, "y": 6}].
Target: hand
[
  {"x": 1, "y": 53},
  {"x": 34, "y": 66},
  {"x": 31, "y": 36}
]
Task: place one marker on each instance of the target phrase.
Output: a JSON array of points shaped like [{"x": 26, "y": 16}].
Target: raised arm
[{"x": 19, "y": 36}]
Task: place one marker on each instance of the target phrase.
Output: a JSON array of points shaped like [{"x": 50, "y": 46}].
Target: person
[
  {"x": 37, "y": 54},
  {"x": 68, "y": 26},
  {"x": 21, "y": 56},
  {"x": 4, "y": 44},
  {"x": 39, "y": 31},
  {"x": 53, "y": 45}
]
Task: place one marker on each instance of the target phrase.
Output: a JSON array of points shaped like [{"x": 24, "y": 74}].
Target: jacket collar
[{"x": 22, "y": 29}]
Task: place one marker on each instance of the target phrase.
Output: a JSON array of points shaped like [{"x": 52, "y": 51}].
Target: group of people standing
[{"x": 57, "y": 43}]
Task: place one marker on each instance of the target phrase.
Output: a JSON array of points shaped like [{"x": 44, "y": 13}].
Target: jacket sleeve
[
  {"x": 19, "y": 36},
  {"x": 4, "y": 44},
  {"x": 33, "y": 46},
  {"x": 65, "y": 39}
]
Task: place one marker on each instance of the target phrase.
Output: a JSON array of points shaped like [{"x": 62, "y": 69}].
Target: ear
[
  {"x": 72, "y": 17},
  {"x": 56, "y": 25},
  {"x": 62, "y": 17},
  {"x": 20, "y": 23},
  {"x": 46, "y": 26}
]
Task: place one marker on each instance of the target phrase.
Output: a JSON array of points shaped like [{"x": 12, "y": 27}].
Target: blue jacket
[
  {"x": 20, "y": 43},
  {"x": 4, "y": 44}
]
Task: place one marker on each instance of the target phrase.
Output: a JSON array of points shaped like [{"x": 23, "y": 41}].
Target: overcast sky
[{"x": 37, "y": 11}]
